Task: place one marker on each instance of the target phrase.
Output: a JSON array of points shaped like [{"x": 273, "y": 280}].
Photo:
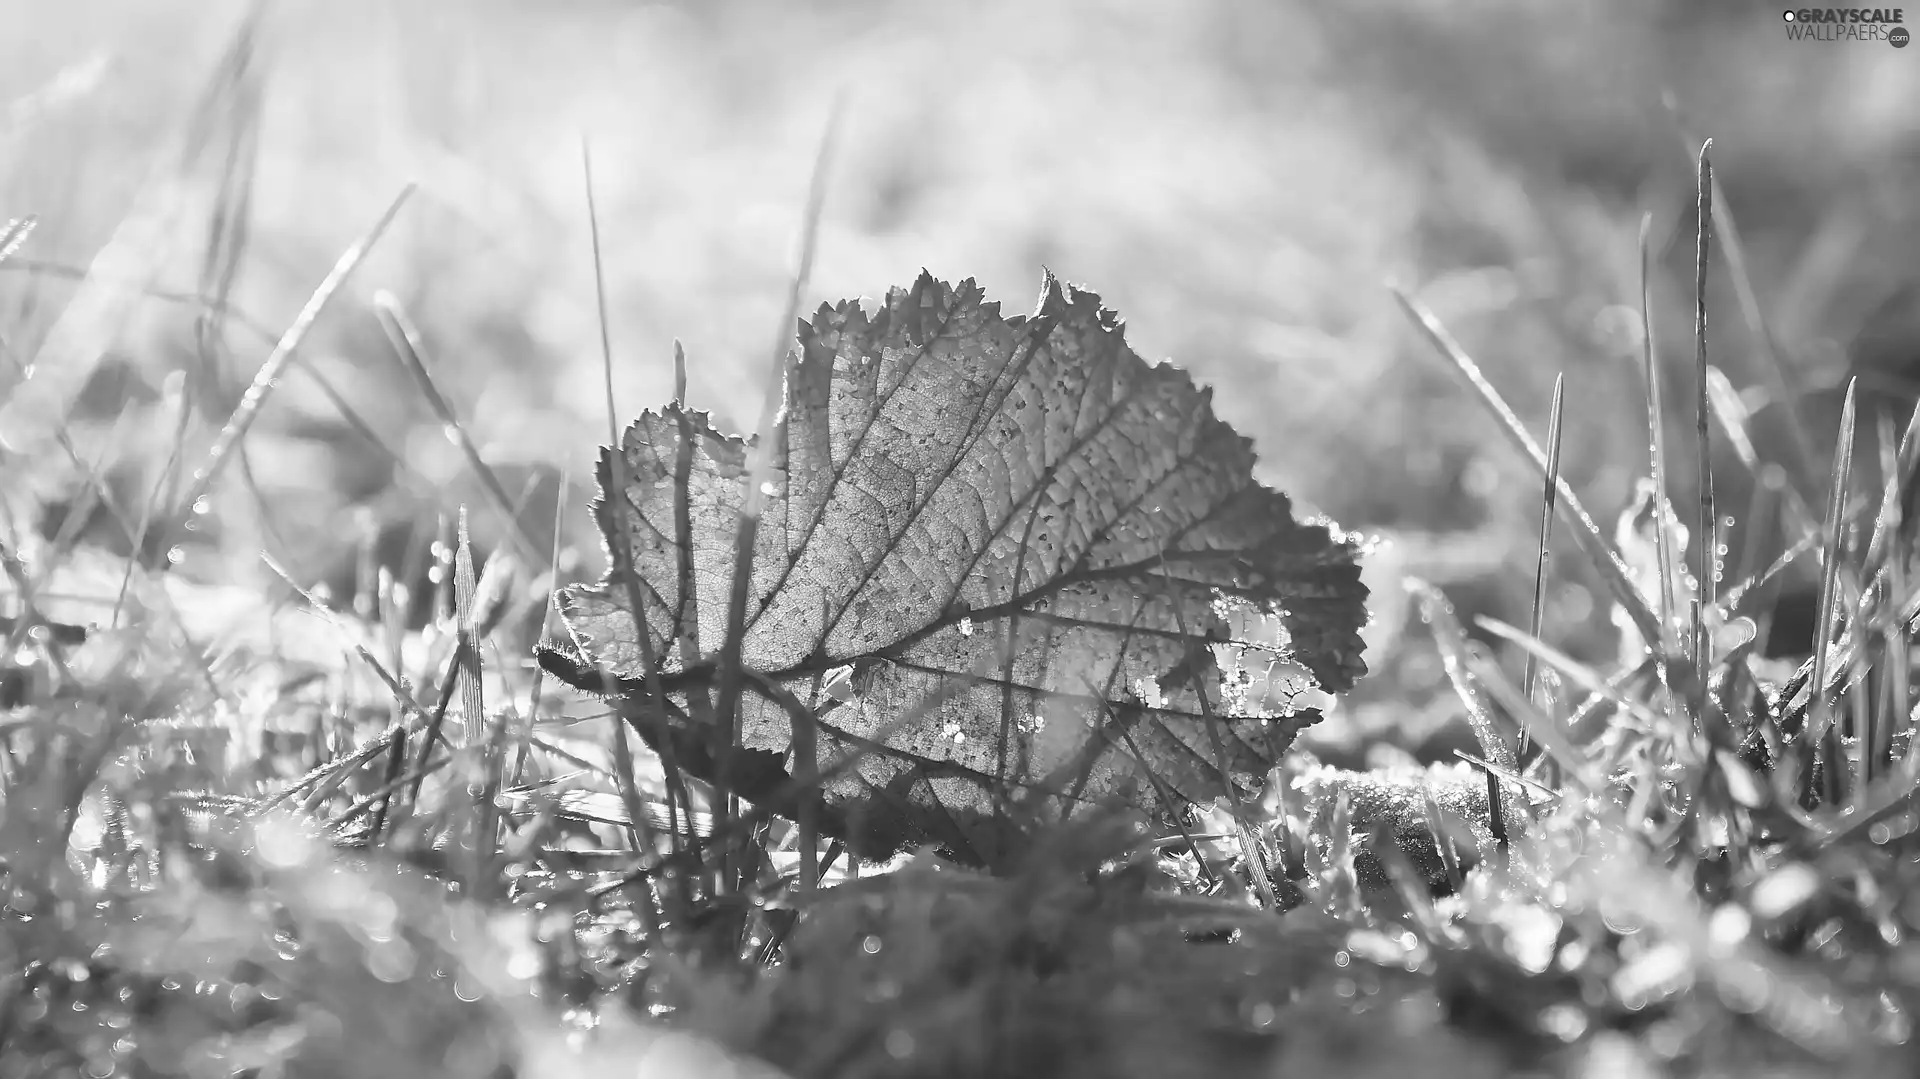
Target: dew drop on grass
[
  {"x": 1784, "y": 890},
  {"x": 1564, "y": 1021},
  {"x": 392, "y": 962},
  {"x": 899, "y": 1044},
  {"x": 1730, "y": 925},
  {"x": 176, "y": 556}
]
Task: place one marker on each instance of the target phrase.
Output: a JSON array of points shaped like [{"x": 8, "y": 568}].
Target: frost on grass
[{"x": 1001, "y": 559}]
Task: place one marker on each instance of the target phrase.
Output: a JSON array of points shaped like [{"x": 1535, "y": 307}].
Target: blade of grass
[
  {"x": 378, "y": 800},
  {"x": 1656, "y": 454},
  {"x": 1452, "y": 643},
  {"x": 1735, "y": 420},
  {"x": 14, "y": 236},
  {"x": 1439, "y": 614},
  {"x": 394, "y": 628},
  {"x": 760, "y": 463},
  {"x": 325, "y": 778},
  {"x": 1823, "y": 643},
  {"x": 638, "y": 822},
  {"x": 1706, "y": 536},
  {"x": 622, "y": 553},
  {"x": 546, "y": 627},
  {"x": 1759, "y": 516},
  {"x": 237, "y": 316},
  {"x": 1514, "y": 778},
  {"x": 1897, "y": 473},
  {"x": 1811, "y": 541},
  {"x": 437, "y": 719},
  {"x": 1166, "y": 795},
  {"x": 237, "y": 127},
  {"x": 99, "y": 309},
  {"x": 1897, "y": 647},
  {"x": 1786, "y": 381},
  {"x": 97, "y": 487},
  {"x": 1800, "y": 688},
  {"x": 1585, "y": 532},
  {"x": 1574, "y": 763},
  {"x": 1895, "y": 792},
  {"x": 1581, "y": 674},
  {"x": 1539, "y": 573},
  {"x": 799, "y": 784},
  {"x": 407, "y": 347},
  {"x": 473, "y": 706},
  {"x": 326, "y": 614},
  {"x": 440, "y": 573},
  {"x": 275, "y": 365},
  {"x": 1894, "y": 659},
  {"x": 225, "y": 309}
]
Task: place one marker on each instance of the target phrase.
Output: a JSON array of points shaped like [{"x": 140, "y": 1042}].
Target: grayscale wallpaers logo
[{"x": 1848, "y": 24}]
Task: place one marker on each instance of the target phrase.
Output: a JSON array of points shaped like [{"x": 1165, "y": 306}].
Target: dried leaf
[{"x": 1014, "y": 532}]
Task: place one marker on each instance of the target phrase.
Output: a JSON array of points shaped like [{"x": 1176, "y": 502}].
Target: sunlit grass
[{"x": 255, "y": 827}]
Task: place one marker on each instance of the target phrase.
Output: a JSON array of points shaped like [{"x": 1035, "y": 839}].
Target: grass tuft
[{"x": 281, "y": 857}]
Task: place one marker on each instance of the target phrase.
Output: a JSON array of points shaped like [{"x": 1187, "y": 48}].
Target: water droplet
[
  {"x": 176, "y": 556},
  {"x": 870, "y": 944},
  {"x": 1784, "y": 890},
  {"x": 1730, "y": 925},
  {"x": 899, "y": 1044},
  {"x": 202, "y": 504},
  {"x": 1564, "y": 1021}
]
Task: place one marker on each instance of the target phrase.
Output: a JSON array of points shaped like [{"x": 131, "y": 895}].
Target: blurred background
[{"x": 1239, "y": 180}]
